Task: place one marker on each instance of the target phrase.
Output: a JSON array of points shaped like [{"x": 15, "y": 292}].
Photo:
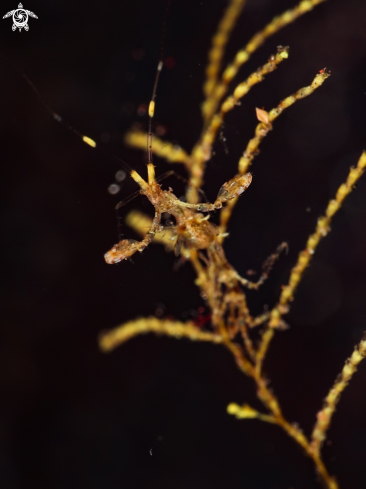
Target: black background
[{"x": 72, "y": 417}]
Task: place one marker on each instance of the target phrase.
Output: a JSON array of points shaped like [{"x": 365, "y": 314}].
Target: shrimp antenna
[
  {"x": 87, "y": 140},
  {"x": 151, "y": 112},
  {"x": 158, "y": 71}
]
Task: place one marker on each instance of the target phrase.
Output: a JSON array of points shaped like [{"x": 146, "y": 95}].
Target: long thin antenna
[
  {"x": 151, "y": 112},
  {"x": 158, "y": 71},
  {"x": 86, "y": 139}
]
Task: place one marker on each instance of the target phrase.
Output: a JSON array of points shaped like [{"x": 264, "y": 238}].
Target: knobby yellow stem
[
  {"x": 109, "y": 340},
  {"x": 322, "y": 229},
  {"x": 261, "y": 131},
  {"x": 269, "y": 400},
  {"x": 164, "y": 149},
  {"x": 202, "y": 150},
  {"x": 219, "y": 42},
  {"x": 211, "y": 104},
  {"x": 324, "y": 417}
]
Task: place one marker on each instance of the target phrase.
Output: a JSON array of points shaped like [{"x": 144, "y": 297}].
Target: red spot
[
  {"x": 170, "y": 62},
  {"x": 201, "y": 320}
]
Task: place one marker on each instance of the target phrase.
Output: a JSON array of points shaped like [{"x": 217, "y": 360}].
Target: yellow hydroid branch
[
  {"x": 261, "y": 132},
  {"x": 111, "y": 339},
  {"x": 140, "y": 223},
  {"x": 321, "y": 230},
  {"x": 202, "y": 151},
  {"x": 287, "y": 17},
  {"x": 219, "y": 42},
  {"x": 324, "y": 416},
  {"x": 297, "y": 272},
  {"x": 265, "y": 125},
  {"x": 164, "y": 149}
]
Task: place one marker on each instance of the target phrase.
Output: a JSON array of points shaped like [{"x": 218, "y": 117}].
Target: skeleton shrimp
[
  {"x": 195, "y": 232},
  {"x": 219, "y": 281},
  {"x": 192, "y": 228}
]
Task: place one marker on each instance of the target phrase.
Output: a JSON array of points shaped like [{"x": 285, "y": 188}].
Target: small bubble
[
  {"x": 160, "y": 130},
  {"x": 250, "y": 272},
  {"x": 160, "y": 310},
  {"x": 120, "y": 175},
  {"x": 114, "y": 189}
]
